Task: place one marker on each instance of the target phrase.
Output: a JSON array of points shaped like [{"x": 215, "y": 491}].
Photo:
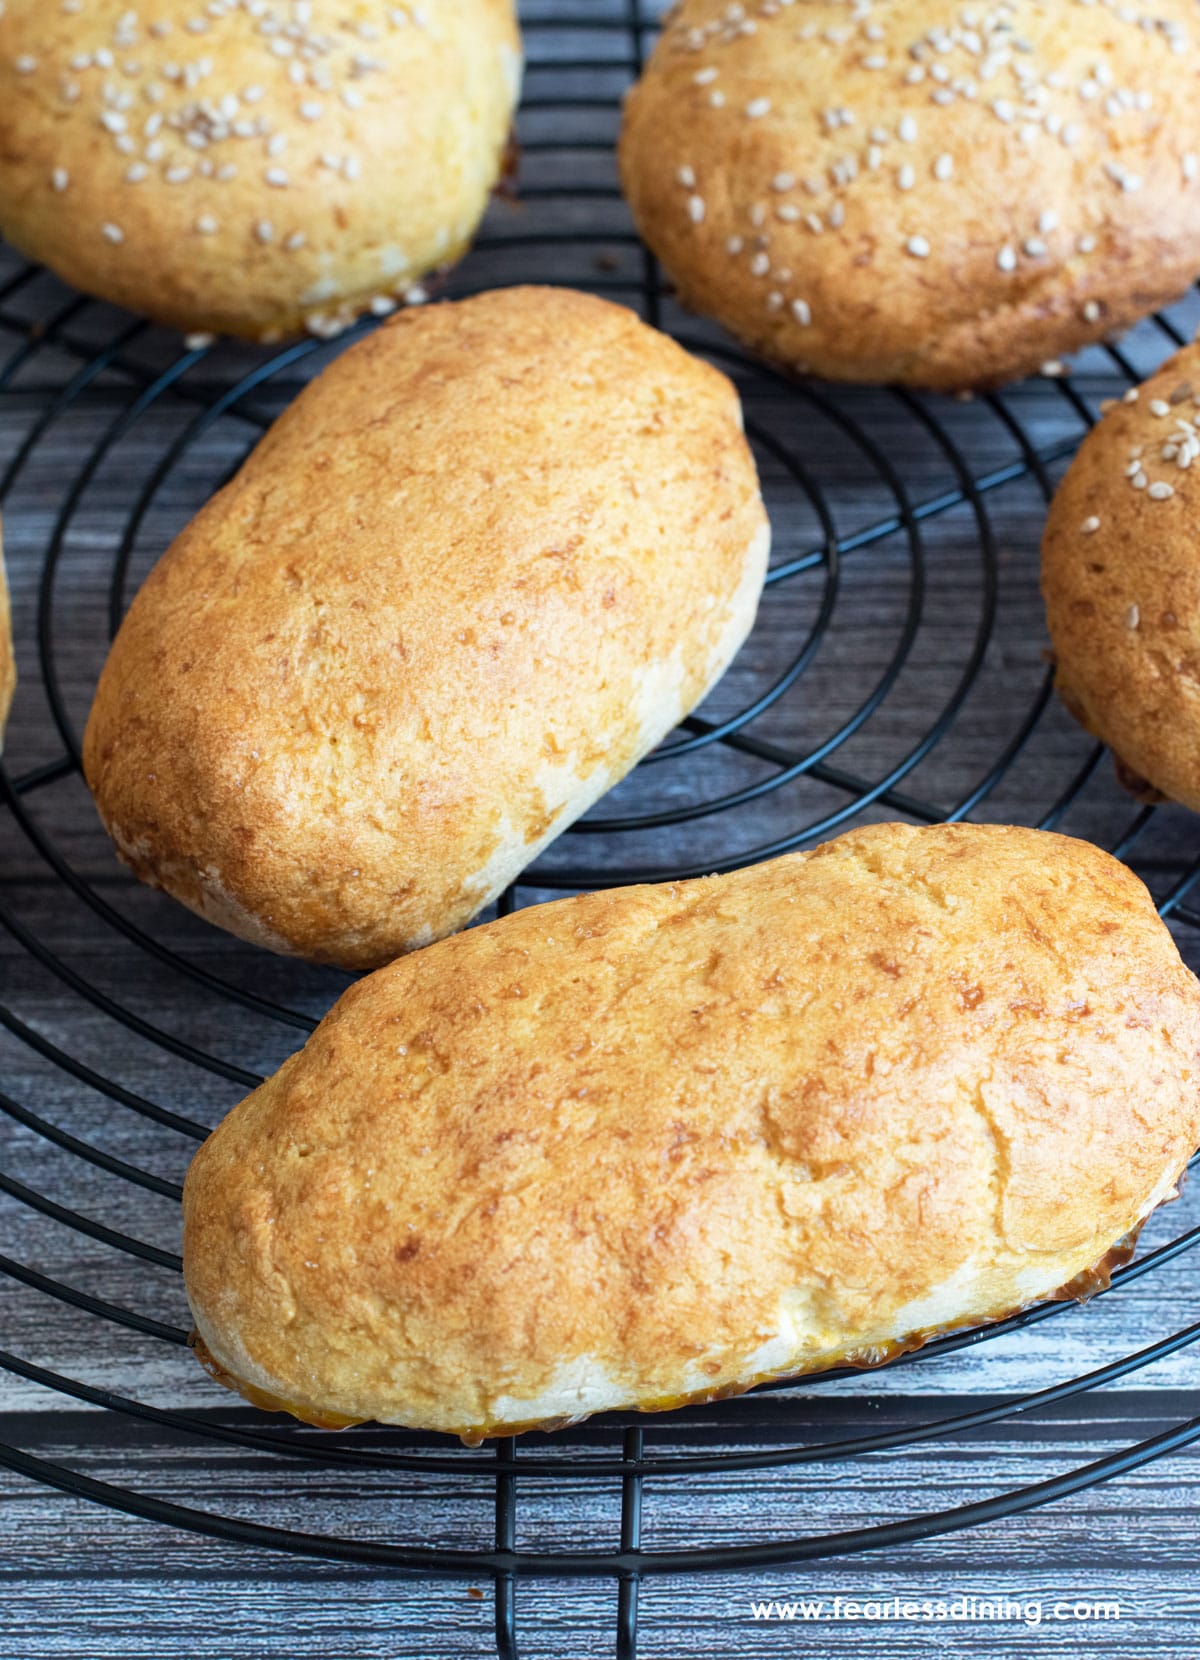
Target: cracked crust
[
  {"x": 1052, "y": 212},
  {"x": 661, "y": 1143},
  {"x": 483, "y": 564},
  {"x": 324, "y": 190},
  {"x": 1121, "y": 581}
]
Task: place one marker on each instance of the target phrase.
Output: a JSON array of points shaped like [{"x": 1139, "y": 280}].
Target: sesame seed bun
[
  {"x": 483, "y": 564},
  {"x": 664, "y": 1142},
  {"x": 912, "y": 192},
  {"x": 1121, "y": 581},
  {"x": 251, "y": 169}
]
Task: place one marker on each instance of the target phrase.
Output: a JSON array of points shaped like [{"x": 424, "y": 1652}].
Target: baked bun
[
  {"x": 482, "y": 565},
  {"x": 1121, "y": 581},
  {"x": 8, "y": 665},
  {"x": 914, "y": 192},
  {"x": 251, "y": 168},
  {"x": 661, "y": 1143}
]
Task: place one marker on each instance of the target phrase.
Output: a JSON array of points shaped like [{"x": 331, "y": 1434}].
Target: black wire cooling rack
[{"x": 898, "y": 670}]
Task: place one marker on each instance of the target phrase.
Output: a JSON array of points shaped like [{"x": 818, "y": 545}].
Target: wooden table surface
[{"x": 906, "y": 537}]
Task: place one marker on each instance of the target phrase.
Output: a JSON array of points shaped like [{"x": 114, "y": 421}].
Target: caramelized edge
[{"x": 1081, "y": 1289}]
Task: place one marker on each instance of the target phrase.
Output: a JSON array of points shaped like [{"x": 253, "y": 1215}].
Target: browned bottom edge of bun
[{"x": 1081, "y": 1289}]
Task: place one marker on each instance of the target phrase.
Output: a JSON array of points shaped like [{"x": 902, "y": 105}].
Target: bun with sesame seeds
[
  {"x": 927, "y": 192},
  {"x": 251, "y": 167},
  {"x": 663, "y": 1143},
  {"x": 483, "y": 564},
  {"x": 1121, "y": 581}
]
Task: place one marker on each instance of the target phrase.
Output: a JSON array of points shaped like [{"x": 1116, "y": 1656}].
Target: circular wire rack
[{"x": 906, "y": 545}]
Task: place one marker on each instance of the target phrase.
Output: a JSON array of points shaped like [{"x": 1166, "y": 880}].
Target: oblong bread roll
[
  {"x": 658, "y": 1144},
  {"x": 480, "y": 567}
]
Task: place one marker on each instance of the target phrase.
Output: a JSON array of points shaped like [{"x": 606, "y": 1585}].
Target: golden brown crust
[
  {"x": 234, "y": 170},
  {"x": 481, "y": 566},
  {"x": 903, "y": 195},
  {"x": 8, "y": 664},
  {"x": 1121, "y": 581},
  {"x": 654, "y": 1144}
]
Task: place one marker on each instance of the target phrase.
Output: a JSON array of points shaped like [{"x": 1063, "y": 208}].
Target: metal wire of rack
[{"x": 768, "y": 766}]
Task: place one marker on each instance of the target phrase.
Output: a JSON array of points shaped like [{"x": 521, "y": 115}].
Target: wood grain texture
[{"x": 876, "y": 493}]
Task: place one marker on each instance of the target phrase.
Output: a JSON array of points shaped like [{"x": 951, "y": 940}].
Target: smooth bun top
[
  {"x": 251, "y": 166},
  {"x": 1121, "y": 580},
  {"x": 919, "y": 190}
]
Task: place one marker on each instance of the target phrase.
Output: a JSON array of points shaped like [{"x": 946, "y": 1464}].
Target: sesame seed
[
  {"x": 276, "y": 177},
  {"x": 696, "y": 209},
  {"x": 802, "y": 312},
  {"x": 311, "y": 110},
  {"x": 686, "y": 176},
  {"x": 296, "y": 240},
  {"x": 1090, "y": 526},
  {"x": 943, "y": 167},
  {"x": 198, "y": 342},
  {"x": 60, "y": 179},
  {"x": 25, "y": 64},
  {"x": 112, "y": 233},
  {"x": 1092, "y": 311},
  {"x": 1161, "y": 491},
  {"x": 758, "y": 107},
  {"x": 1159, "y": 407},
  {"x": 1132, "y": 617},
  {"x": 265, "y": 231},
  {"x": 1006, "y": 259},
  {"x": 135, "y": 173},
  {"x": 207, "y": 225},
  {"x": 918, "y": 247}
]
